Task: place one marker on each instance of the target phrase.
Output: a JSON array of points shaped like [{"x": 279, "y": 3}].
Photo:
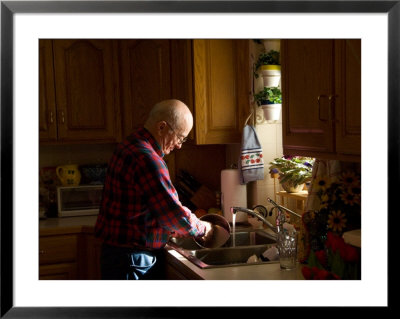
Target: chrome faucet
[
  {"x": 250, "y": 212},
  {"x": 279, "y": 207},
  {"x": 280, "y": 219}
]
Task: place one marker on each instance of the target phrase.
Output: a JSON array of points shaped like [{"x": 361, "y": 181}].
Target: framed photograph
[{"x": 23, "y": 23}]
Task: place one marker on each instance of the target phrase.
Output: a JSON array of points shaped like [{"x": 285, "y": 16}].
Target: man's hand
[{"x": 208, "y": 233}]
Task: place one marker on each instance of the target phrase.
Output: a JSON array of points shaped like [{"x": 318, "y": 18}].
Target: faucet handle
[{"x": 262, "y": 210}]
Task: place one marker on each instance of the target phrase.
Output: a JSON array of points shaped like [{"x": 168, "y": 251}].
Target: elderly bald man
[{"x": 140, "y": 208}]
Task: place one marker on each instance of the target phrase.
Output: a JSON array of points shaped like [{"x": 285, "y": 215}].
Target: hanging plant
[
  {"x": 270, "y": 58},
  {"x": 269, "y": 95}
]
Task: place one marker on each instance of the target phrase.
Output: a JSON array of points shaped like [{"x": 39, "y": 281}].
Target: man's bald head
[{"x": 175, "y": 112}]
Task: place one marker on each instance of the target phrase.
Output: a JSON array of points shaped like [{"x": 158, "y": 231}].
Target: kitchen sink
[
  {"x": 247, "y": 244},
  {"x": 243, "y": 238}
]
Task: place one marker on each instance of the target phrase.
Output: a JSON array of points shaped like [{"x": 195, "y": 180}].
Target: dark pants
[{"x": 120, "y": 263}]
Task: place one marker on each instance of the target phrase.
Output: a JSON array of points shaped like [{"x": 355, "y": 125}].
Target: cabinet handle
[
  {"x": 331, "y": 98},
  {"x": 42, "y": 252},
  {"x": 62, "y": 117},
  {"x": 51, "y": 117},
  {"x": 319, "y": 107}
]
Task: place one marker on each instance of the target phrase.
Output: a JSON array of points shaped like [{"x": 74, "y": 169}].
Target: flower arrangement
[
  {"x": 294, "y": 169},
  {"x": 340, "y": 201},
  {"x": 329, "y": 257},
  {"x": 337, "y": 261}
]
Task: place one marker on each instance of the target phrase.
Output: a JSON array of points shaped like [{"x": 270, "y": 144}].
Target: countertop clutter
[{"x": 178, "y": 266}]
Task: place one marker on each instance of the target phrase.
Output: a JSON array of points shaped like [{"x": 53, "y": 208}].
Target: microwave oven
[{"x": 81, "y": 200}]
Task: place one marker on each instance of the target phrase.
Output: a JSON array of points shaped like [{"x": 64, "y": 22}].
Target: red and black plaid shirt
[{"x": 140, "y": 206}]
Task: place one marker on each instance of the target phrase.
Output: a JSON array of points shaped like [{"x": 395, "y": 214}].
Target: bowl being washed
[
  {"x": 93, "y": 174},
  {"x": 221, "y": 232}
]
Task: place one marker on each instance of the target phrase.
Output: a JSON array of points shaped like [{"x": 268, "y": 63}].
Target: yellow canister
[{"x": 69, "y": 175}]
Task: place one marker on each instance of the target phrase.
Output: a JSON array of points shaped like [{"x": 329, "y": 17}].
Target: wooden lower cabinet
[
  {"x": 62, "y": 271},
  {"x": 76, "y": 256},
  {"x": 90, "y": 258},
  {"x": 58, "y": 257},
  {"x": 73, "y": 256},
  {"x": 171, "y": 273},
  {"x": 175, "y": 270}
]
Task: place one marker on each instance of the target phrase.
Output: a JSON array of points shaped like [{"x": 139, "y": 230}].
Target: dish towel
[{"x": 251, "y": 162}]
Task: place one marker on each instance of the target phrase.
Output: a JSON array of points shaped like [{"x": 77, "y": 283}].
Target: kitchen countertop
[
  {"x": 270, "y": 271},
  {"x": 65, "y": 225}
]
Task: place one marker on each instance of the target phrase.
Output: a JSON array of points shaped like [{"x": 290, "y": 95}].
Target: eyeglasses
[{"x": 180, "y": 139}]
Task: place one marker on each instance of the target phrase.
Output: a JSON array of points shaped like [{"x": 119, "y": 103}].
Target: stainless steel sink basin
[
  {"x": 247, "y": 244},
  {"x": 243, "y": 238}
]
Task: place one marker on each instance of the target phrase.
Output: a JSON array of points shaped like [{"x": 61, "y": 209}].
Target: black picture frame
[{"x": 9, "y": 8}]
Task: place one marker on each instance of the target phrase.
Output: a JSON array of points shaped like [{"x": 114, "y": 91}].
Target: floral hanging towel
[{"x": 251, "y": 163}]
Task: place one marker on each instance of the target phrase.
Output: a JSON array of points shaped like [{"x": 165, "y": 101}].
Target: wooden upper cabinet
[
  {"x": 307, "y": 83},
  {"x": 47, "y": 102},
  {"x": 86, "y": 81},
  {"x": 182, "y": 75},
  {"x": 94, "y": 91},
  {"x": 348, "y": 97},
  {"x": 221, "y": 89},
  {"x": 145, "y": 79},
  {"x": 321, "y": 96}
]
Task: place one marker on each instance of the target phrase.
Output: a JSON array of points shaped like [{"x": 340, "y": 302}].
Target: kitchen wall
[
  {"x": 54, "y": 155},
  {"x": 269, "y": 134}
]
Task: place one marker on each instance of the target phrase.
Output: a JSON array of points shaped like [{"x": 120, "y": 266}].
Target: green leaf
[
  {"x": 313, "y": 260},
  {"x": 338, "y": 265}
]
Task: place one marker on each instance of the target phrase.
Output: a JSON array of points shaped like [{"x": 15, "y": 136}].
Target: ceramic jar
[{"x": 69, "y": 175}]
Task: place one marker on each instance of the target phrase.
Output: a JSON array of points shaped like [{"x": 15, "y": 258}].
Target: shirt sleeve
[{"x": 163, "y": 200}]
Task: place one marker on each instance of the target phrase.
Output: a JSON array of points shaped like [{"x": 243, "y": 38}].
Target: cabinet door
[
  {"x": 348, "y": 97},
  {"x": 307, "y": 85},
  {"x": 86, "y": 84},
  {"x": 89, "y": 257},
  {"x": 47, "y": 103},
  {"x": 145, "y": 79},
  {"x": 58, "y": 249},
  {"x": 221, "y": 88},
  {"x": 67, "y": 271},
  {"x": 182, "y": 74}
]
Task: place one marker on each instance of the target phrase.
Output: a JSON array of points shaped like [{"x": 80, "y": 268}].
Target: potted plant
[
  {"x": 270, "y": 100},
  {"x": 294, "y": 171},
  {"x": 268, "y": 63}
]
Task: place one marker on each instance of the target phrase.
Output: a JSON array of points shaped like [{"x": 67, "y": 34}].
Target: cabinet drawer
[
  {"x": 57, "y": 249},
  {"x": 67, "y": 271}
]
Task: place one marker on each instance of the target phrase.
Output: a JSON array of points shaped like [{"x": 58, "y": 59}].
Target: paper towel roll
[{"x": 232, "y": 194}]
